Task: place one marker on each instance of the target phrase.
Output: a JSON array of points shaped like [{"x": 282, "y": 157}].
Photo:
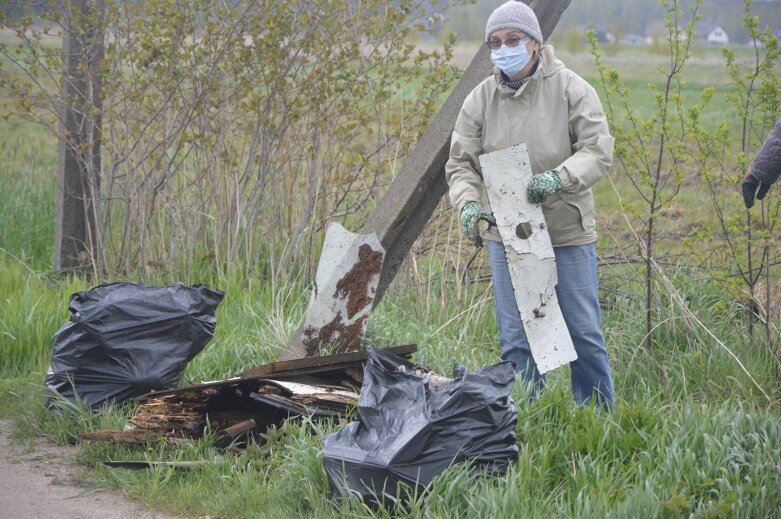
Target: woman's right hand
[{"x": 471, "y": 214}]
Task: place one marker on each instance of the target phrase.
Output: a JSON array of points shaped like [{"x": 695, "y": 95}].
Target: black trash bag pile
[
  {"x": 126, "y": 339},
  {"x": 409, "y": 431}
]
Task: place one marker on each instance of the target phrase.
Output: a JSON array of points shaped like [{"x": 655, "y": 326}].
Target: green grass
[
  {"x": 28, "y": 173},
  {"x": 694, "y": 433},
  {"x": 691, "y": 433}
]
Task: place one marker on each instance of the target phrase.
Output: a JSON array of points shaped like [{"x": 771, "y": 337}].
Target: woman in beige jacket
[{"x": 533, "y": 98}]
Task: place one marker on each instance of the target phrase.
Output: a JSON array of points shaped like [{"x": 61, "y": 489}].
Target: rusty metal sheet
[
  {"x": 530, "y": 257},
  {"x": 345, "y": 287}
]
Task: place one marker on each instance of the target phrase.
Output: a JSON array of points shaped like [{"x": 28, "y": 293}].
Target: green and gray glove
[
  {"x": 471, "y": 214},
  {"x": 543, "y": 185}
]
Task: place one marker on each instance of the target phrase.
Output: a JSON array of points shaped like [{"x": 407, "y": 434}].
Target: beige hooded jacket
[{"x": 560, "y": 118}]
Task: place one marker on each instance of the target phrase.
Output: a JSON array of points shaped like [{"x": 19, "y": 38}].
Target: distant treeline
[
  {"x": 640, "y": 17},
  {"x": 627, "y": 17}
]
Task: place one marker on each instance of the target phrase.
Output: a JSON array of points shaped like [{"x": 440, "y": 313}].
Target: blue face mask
[{"x": 510, "y": 60}]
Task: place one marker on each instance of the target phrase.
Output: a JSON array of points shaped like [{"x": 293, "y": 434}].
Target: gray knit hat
[{"x": 514, "y": 15}]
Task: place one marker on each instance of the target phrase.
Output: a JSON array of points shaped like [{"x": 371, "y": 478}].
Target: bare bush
[{"x": 232, "y": 132}]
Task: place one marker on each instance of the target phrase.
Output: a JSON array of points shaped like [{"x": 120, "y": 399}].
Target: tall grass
[
  {"x": 691, "y": 434},
  {"x": 28, "y": 179},
  {"x": 30, "y": 311}
]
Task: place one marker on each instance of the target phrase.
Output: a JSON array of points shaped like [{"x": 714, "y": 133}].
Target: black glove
[{"x": 749, "y": 187}]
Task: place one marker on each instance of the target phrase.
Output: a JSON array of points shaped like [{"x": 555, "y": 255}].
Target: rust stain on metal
[
  {"x": 355, "y": 284},
  {"x": 343, "y": 337}
]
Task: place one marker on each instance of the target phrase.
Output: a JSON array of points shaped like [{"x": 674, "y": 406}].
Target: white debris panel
[
  {"x": 345, "y": 285},
  {"x": 532, "y": 264}
]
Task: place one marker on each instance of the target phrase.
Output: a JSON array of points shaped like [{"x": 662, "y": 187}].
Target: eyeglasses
[{"x": 513, "y": 41}]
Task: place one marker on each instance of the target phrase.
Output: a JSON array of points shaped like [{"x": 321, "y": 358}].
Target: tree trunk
[{"x": 77, "y": 232}]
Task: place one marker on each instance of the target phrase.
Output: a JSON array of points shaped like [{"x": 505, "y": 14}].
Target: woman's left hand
[{"x": 543, "y": 185}]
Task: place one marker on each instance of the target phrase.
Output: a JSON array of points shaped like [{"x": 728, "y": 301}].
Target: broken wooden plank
[
  {"x": 236, "y": 403},
  {"x": 234, "y": 435},
  {"x": 235, "y": 430},
  {"x": 530, "y": 257},
  {"x": 131, "y": 436},
  {"x": 322, "y": 371},
  {"x": 323, "y": 365},
  {"x": 234, "y": 408},
  {"x": 145, "y": 464}
]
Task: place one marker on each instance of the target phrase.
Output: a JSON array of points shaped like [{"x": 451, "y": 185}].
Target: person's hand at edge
[{"x": 752, "y": 187}]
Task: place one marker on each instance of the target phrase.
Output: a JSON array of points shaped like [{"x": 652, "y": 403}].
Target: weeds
[{"x": 695, "y": 437}]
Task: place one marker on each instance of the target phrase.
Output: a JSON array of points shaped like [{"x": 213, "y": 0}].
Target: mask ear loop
[{"x": 536, "y": 56}]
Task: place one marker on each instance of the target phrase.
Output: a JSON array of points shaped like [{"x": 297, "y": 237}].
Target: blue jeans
[{"x": 577, "y": 293}]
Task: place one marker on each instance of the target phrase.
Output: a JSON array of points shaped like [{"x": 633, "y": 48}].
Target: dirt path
[{"x": 43, "y": 484}]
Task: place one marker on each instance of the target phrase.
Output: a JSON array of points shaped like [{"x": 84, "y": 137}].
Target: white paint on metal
[
  {"x": 532, "y": 264},
  {"x": 339, "y": 256}
]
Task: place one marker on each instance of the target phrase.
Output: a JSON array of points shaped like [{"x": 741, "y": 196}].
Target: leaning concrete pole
[
  {"x": 76, "y": 242},
  {"x": 413, "y": 195}
]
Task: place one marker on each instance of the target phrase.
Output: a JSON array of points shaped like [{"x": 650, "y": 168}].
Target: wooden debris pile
[{"x": 247, "y": 405}]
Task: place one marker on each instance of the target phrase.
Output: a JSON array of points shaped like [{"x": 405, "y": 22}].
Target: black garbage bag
[
  {"x": 408, "y": 432},
  {"x": 126, "y": 339}
]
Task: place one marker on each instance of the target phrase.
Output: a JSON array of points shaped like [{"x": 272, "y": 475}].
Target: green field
[{"x": 696, "y": 431}]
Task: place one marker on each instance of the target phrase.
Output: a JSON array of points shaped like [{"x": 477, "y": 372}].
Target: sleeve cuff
[{"x": 565, "y": 177}]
